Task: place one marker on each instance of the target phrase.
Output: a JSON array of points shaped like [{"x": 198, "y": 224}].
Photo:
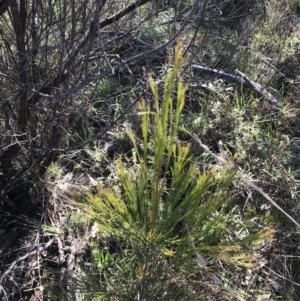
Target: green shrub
[{"x": 168, "y": 219}]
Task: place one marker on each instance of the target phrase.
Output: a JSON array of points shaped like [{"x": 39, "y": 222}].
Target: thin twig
[
  {"x": 240, "y": 79},
  {"x": 39, "y": 249},
  {"x": 280, "y": 276},
  {"x": 244, "y": 179}
]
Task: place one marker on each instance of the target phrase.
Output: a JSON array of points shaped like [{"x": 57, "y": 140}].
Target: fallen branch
[
  {"x": 240, "y": 79},
  {"x": 244, "y": 179},
  {"x": 13, "y": 264}
]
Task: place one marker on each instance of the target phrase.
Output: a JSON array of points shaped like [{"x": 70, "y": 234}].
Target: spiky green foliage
[{"x": 164, "y": 215}]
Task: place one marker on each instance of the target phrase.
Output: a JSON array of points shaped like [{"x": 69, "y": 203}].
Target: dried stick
[
  {"x": 12, "y": 265},
  {"x": 240, "y": 79},
  {"x": 245, "y": 180}
]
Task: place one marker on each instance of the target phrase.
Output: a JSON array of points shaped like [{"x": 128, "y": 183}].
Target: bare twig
[
  {"x": 39, "y": 249},
  {"x": 244, "y": 179},
  {"x": 280, "y": 276},
  {"x": 240, "y": 79}
]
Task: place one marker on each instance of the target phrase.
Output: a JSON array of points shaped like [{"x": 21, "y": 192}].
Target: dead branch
[
  {"x": 12, "y": 265},
  {"x": 127, "y": 10},
  {"x": 240, "y": 79},
  {"x": 244, "y": 179}
]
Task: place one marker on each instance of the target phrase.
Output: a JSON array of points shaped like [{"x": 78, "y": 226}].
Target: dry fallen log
[{"x": 240, "y": 79}]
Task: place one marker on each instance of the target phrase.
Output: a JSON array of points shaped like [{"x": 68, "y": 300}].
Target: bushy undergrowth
[
  {"x": 168, "y": 224},
  {"x": 156, "y": 217}
]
